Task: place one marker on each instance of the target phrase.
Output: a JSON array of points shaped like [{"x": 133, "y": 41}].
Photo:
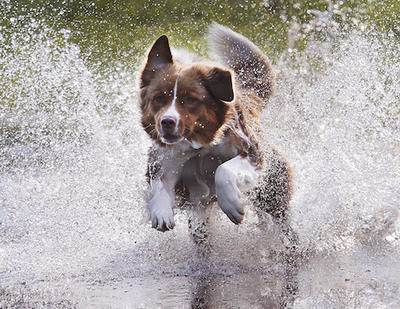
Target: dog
[{"x": 202, "y": 118}]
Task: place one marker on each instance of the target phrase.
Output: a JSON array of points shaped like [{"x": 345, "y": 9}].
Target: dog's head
[{"x": 181, "y": 101}]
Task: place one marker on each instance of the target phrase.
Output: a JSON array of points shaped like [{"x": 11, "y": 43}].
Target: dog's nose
[{"x": 168, "y": 124}]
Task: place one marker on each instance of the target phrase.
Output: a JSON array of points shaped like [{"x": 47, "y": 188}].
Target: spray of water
[{"x": 341, "y": 130}]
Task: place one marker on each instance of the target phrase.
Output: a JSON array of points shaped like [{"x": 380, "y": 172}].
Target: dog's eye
[
  {"x": 159, "y": 99},
  {"x": 190, "y": 101}
]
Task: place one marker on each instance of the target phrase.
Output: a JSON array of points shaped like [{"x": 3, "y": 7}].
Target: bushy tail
[{"x": 251, "y": 66}]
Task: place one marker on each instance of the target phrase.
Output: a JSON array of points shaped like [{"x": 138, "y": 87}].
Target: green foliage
[{"x": 123, "y": 29}]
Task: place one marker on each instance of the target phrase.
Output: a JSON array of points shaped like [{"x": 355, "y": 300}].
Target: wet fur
[{"x": 218, "y": 157}]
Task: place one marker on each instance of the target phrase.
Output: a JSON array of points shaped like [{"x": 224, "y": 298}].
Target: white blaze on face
[{"x": 172, "y": 111}]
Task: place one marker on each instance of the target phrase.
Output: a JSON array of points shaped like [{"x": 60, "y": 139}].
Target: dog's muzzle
[{"x": 169, "y": 130}]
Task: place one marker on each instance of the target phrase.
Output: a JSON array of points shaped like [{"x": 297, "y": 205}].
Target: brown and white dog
[{"x": 202, "y": 119}]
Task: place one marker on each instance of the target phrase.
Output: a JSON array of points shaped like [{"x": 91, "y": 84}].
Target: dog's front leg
[
  {"x": 231, "y": 179},
  {"x": 160, "y": 203}
]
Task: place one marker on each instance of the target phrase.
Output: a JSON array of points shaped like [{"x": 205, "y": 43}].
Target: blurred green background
[{"x": 123, "y": 29}]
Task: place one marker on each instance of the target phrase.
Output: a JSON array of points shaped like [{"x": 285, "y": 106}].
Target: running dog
[{"x": 202, "y": 119}]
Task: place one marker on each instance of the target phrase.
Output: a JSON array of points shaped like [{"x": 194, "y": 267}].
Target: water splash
[
  {"x": 70, "y": 168},
  {"x": 341, "y": 131}
]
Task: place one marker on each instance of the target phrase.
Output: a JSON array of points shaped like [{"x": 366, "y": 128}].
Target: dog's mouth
[{"x": 171, "y": 139}]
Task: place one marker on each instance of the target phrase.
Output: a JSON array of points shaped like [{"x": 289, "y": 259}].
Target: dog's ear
[
  {"x": 158, "y": 57},
  {"x": 219, "y": 83}
]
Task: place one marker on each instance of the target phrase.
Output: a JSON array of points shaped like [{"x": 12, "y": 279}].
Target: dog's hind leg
[
  {"x": 199, "y": 227},
  {"x": 197, "y": 190},
  {"x": 273, "y": 193}
]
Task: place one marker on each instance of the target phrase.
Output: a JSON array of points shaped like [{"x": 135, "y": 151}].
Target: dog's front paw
[
  {"x": 231, "y": 206},
  {"x": 229, "y": 200},
  {"x": 228, "y": 194},
  {"x": 162, "y": 219}
]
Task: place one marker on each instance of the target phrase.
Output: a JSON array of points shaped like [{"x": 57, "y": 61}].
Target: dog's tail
[{"x": 252, "y": 68}]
